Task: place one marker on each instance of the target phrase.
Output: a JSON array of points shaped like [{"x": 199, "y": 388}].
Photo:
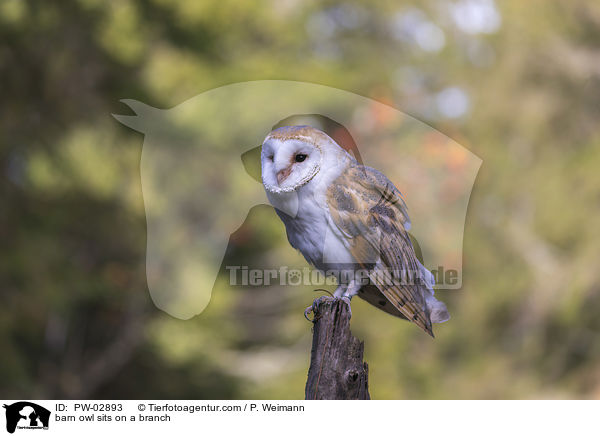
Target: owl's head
[{"x": 292, "y": 156}]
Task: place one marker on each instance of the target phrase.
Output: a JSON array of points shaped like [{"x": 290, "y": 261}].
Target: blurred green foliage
[{"x": 516, "y": 83}]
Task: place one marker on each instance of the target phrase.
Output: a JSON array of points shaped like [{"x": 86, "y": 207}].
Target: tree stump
[{"x": 337, "y": 370}]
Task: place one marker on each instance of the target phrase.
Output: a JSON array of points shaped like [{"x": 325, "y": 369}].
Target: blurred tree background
[{"x": 517, "y": 83}]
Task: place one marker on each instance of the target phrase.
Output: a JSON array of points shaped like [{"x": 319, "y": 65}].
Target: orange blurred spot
[
  {"x": 382, "y": 114},
  {"x": 457, "y": 157},
  {"x": 434, "y": 144}
]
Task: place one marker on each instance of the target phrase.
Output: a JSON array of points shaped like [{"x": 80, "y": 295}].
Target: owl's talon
[
  {"x": 313, "y": 308},
  {"x": 308, "y": 310},
  {"x": 324, "y": 290}
]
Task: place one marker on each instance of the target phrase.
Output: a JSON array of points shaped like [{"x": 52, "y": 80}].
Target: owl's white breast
[{"x": 311, "y": 229}]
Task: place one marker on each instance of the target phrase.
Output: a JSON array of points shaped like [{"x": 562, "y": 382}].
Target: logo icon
[{"x": 26, "y": 415}]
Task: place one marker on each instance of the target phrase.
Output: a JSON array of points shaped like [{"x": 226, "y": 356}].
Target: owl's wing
[{"x": 368, "y": 210}]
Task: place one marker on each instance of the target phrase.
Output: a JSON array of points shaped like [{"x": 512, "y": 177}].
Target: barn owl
[{"x": 347, "y": 218}]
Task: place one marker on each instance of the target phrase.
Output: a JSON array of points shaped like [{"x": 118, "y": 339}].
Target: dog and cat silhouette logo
[{"x": 26, "y": 415}]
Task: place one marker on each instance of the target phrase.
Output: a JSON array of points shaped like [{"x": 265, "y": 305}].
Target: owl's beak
[{"x": 283, "y": 174}]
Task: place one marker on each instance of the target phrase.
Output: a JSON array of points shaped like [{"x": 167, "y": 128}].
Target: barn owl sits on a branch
[{"x": 346, "y": 219}]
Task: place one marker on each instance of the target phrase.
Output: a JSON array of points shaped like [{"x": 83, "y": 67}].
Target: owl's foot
[{"x": 313, "y": 307}]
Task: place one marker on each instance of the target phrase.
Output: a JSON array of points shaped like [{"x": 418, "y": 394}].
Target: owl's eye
[
  {"x": 271, "y": 158},
  {"x": 300, "y": 157}
]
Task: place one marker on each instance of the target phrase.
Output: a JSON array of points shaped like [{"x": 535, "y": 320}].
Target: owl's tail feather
[{"x": 438, "y": 312}]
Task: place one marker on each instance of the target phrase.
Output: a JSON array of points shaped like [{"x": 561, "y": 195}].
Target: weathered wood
[{"x": 337, "y": 370}]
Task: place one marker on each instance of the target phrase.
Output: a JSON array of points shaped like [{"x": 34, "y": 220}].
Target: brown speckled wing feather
[{"x": 368, "y": 209}]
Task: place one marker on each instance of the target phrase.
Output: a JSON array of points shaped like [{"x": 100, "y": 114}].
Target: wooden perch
[{"x": 337, "y": 370}]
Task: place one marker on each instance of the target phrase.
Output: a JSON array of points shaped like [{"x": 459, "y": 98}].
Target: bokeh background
[{"x": 517, "y": 83}]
